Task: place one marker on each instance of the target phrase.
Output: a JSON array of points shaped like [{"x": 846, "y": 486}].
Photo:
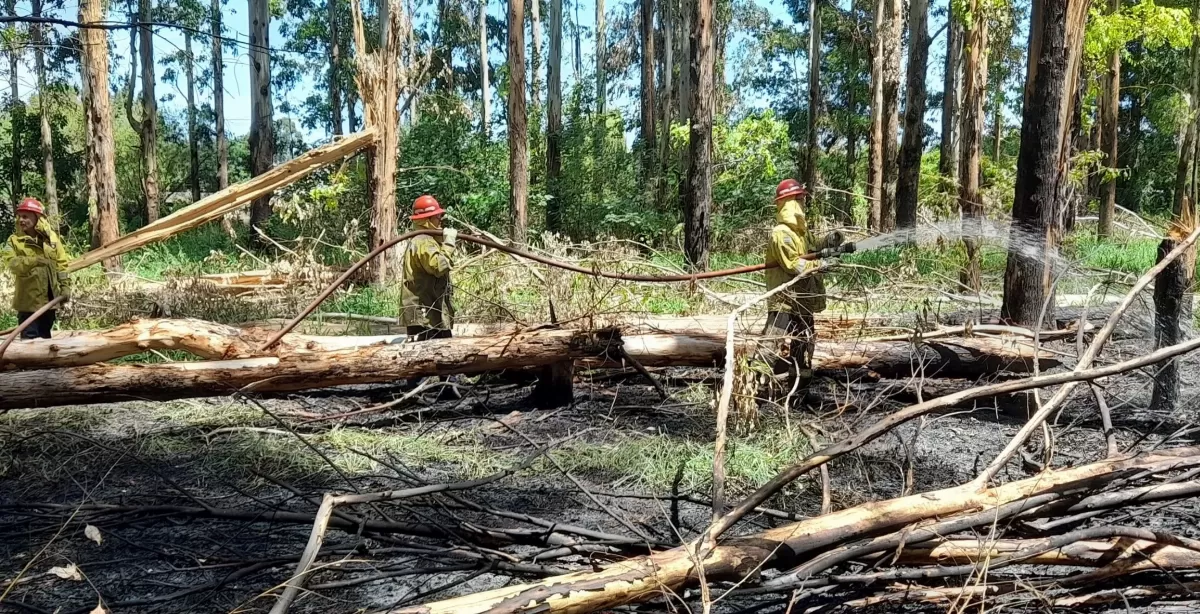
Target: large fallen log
[
  {"x": 231, "y": 198},
  {"x": 669, "y": 572},
  {"x": 961, "y": 358},
  {"x": 299, "y": 371}
]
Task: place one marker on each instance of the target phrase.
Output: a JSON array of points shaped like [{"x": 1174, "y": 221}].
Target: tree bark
[
  {"x": 335, "y": 68},
  {"x": 815, "y": 104},
  {"x": 845, "y": 212},
  {"x": 39, "y": 62},
  {"x": 875, "y": 151},
  {"x": 301, "y": 370},
  {"x": 485, "y": 90},
  {"x": 697, "y": 201},
  {"x": 1187, "y": 150},
  {"x": 1055, "y": 50},
  {"x": 17, "y": 117},
  {"x": 222, "y": 143},
  {"x": 666, "y": 102},
  {"x": 193, "y": 142},
  {"x": 100, "y": 145},
  {"x": 891, "y": 112},
  {"x": 913, "y": 147},
  {"x": 601, "y": 55},
  {"x": 1170, "y": 289},
  {"x": 554, "y": 207},
  {"x": 535, "y": 60},
  {"x": 648, "y": 128},
  {"x": 648, "y": 577},
  {"x": 948, "y": 148},
  {"x": 970, "y": 201},
  {"x": 1110, "y": 101},
  {"x": 997, "y": 123},
  {"x": 262, "y": 118},
  {"x": 149, "y": 123},
  {"x": 686, "y": 83},
  {"x": 518, "y": 131}
]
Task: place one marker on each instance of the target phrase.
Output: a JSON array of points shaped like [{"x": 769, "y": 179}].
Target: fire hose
[{"x": 845, "y": 248}]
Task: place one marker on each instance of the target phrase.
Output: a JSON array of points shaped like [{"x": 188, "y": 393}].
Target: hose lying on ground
[{"x": 329, "y": 290}]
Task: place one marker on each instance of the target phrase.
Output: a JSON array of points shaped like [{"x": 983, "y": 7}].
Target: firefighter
[
  {"x": 427, "y": 308},
  {"x": 790, "y": 312},
  {"x": 35, "y": 256}
]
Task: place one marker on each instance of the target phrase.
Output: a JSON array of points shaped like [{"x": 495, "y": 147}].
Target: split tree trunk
[
  {"x": 193, "y": 142},
  {"x": 914, "y": 115},
  {"x": 262, "y": 129},
  {"x": 1055, "y": 50},
  {"x": 518, "y": 129},
  {"x": 148, "y": 128},
  {"x": 554, "y": 207},
  {"x": 102, "y": 167},
  {"x": 970, "y": 201},
  {"x": 222, "y": 144},
  {"x": 815, "y": 104},
  {"x": 697, "y": 201},
  {"x": 1110, "y": 100},
  {"x": 948, "y": 149},
  {"x": 39, "y": 62}
]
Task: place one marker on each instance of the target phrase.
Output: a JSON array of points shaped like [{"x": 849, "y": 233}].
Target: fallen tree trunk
[
  {"x": 648, "y": 577},
  {"x": 960, "y": 358},
  {"x": 300, "y": 371}
]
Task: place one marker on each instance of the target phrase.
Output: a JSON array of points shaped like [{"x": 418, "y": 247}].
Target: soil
[{"x": 57, "y": 465}]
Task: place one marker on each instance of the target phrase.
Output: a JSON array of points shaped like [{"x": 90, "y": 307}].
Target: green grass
[
  {"x": 203, "y": 250},
  {"x": 1134, "y": 255}
]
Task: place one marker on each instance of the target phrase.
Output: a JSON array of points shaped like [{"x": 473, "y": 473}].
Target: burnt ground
[{"x": 183, "y": 494}]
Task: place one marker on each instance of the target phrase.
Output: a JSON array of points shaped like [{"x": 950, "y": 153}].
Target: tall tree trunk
[
  {"x": 18, "y": 108},
  {"x": 997, "y": 124},
  {"x": 948, "y": 149},
  {"x": 1055, "y": 47},
  {"x": 335, "y": 68},
  {"x": 601, "y": 54},
  {"x": 578, "y": 46},
  {"x": 909, "y": 183},
  {"x": 518, "y": 131},
  {"x": 891, "y": 112},
  {"x": 443, "y": 70},
  {"x": 222, "y": 144},
  {"x": 1187, "y": 148},
  {"x": 697, "y": 202},
  {"x": 485, "y": 90},
  {"x": 846, "y": 212},
  {"x": 535, "y": 60},
  {"x": 193, "y": 143},
  {"x": 554, "y": 208},
  {"x": 39, "y": 63},
  {"x": 262, "y": 127},
  {"x": 667, "y": 18},
  {"x": 815, "y": 104},
  {"x": 974, "y": 87},
  {"x": 648, "y": 129},
  {"x": 100, "y": 146},
  {"x": 1110, "y": 107},
  {"x": 149, "y": 123},
  {"x": 686, "y": 84},
  {"x": 351, "y": 110},
  {"x": 875, "y": 153}
]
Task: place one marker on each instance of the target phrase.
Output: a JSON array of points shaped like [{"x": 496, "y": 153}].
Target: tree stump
[
  {"x": 1169, "y": 290},
  {"x": 555, "y": 386}
]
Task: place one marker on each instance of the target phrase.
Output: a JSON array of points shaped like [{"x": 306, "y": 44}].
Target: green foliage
[{"x": 1155, "y": 26}]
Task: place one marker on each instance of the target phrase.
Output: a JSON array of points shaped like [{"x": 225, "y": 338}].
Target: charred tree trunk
[
  {"x": 39, "y": 63},
  {"x": 554, "y": 208},
  {"x": 1170, "y": 288},
  {"x": 335, "y": 68},
  {"x": 1110, "y": 106},
  {"x": 648, "y": 129},
  {"x": 875, "y": 150},
  {"x": 914, "y": 115},
  {"x": 262, "y": 118},
  {"x": 102, "y": 167},
  {"x": 518, "y": 132},
  {"x": 1055, "y": 47},
  {"x": 969, "y": 199},
  {"x": 485, "y": 90},
  {"x": 948, "y": 148},
  {"x": 149, "y": 123},
  {"x": 193, "y": 141},
  {"x": 815, "y": 104},
  {"x": 697, "y": 202},
  {"x": 222, "y": 144}
]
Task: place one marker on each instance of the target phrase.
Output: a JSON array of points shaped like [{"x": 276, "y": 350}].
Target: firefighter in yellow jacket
[
  {"x": 790, "y": 312},
  {"x": 37, "y": 260},
  {"x": 427, "y": 292}
]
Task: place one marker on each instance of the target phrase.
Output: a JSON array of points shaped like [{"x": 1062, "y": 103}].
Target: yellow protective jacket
[
  {"x": 427, "y": 290},
  {"x": 789, "y": 241},
  {"x": 38, "y": 265}
]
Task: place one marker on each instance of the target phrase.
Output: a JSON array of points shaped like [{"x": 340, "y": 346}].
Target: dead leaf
[
  {"x": 93, "y": 534},
  {"x": 99, "y": 610},
  {"x": 70, "y": 572}
]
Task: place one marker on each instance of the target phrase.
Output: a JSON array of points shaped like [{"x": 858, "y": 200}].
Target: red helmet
[
  {"x": 426, "y": 206},
  {"x": 31, "y": 205},
  {"x": 789, "y": 188}
]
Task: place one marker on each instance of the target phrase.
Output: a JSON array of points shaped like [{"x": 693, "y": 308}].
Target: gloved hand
[
  {"x": 834, "y": 239},
  {"x": 65, "y": 293},
  {"x": 449, "y": 237},
  {"x": 829, "y": 252}
]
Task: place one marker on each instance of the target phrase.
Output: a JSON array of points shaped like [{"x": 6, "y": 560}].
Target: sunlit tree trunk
[
  {"x": 39, "y": 63},
  {"x": 262, "y": 130},
  {"x": 948, "y": 149},
  {"x": 891, "y": 111},
  {"x": 193, "y": 143},
  {"x": 485, "y": 90},
  {"x": 100, "y": 146},
  {"x": 846, "y": 210},
  {"x": 335, "y": 68},
  {"x": 554, "y": 208},
  {"x": 218, "y": 70},
  {"x": 1187, "y": 149},
  {"x": 697, "y": 201},
  {"x": 997, "y": 126},
  {"x": 815, "y": 104},
  {"x": 535, "y": 60},
  {"x": 1110, "y": 106},
  {"x": 1055, "y": 50},
  {"x": 913, "y": 147},
  {"x": 648, "y": 128},
  {"x": 149, "y": 122},
  {"x": 518, "y": 132},
  {"x": 875, "y": 151},
  {"x": 970, "y": 202}
]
